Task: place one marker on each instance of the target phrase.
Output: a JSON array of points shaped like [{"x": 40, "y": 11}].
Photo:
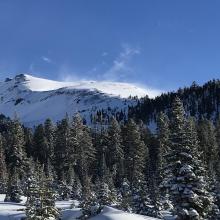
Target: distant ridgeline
[{"x": 199, "y": 101}]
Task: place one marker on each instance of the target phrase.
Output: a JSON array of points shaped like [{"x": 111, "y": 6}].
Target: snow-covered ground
[
  {"x": 10, "y": 211},
  {"x": 34, "y": 99}
]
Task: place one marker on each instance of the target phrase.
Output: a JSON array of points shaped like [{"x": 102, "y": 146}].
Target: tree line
[{"x": 122, "y": 164}]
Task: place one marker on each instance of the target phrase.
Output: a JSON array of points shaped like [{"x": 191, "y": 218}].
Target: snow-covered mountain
[{"x": 35, "y": 99}]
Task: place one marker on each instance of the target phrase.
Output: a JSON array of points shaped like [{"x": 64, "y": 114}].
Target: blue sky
[{"x": 162, "y": 44}]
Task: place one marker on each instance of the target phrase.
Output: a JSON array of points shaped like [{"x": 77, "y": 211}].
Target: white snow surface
[
  {"x": 109, "y": 213},
  {"x": 124, "y": 90},
  {"x": 34, "y": 99},
  {"x": 10, "y": 211}
]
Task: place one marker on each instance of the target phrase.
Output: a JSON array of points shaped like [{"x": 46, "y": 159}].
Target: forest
[{"x": 124, "y": 165}]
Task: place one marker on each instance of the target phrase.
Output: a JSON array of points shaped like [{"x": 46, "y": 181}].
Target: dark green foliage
[
  {"x": 62, "y": 142},
  {"x": 124, "y": 164},
  {"x": 186, "y": 180},
  {"x": 115, "y": 151},
  {"x": 41, "y": 197},
  {"x": 3, "y": 168},
  {"x": 135, "y": 152}
]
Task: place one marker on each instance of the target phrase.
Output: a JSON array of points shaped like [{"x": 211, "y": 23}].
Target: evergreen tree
[
  {"x": 82, "y": 146},
  {"x": 14, "y": 191},
  {"x": 89, "y": 204},
  {"x": 28, "y": 135},
  {"x": 126, "y": 194},
  {"x": 49, "y": 131},
  {"x": 187, "y": 185},
  {"x": 61, "y": 149},
  {"x": 106, "y": 193},
  {"x": 76, "y": 193},
  {"x": 163, "y": 173},
  {"x": 208, "y": 146},
  {"x": 41, "y": 199},
  {"x": 40, "y": 145},
  {"x": 135, "y": 153},
  {"x": 17, "y": 161},
  {"x": 3, "y": 168},
  {"x": 115, "y": 152}
]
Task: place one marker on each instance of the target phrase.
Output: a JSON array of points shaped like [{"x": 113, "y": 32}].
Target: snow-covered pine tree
[
  {"x": 126, "y": 196},
  {"x": 63, "y": 190},
  {"x": 163, "y": 135},
  {"x": 76, "y": 192},
  {"x": 105, "y": 189},
  {"x": 33, "y": 204},
  {"x": 17, "y": 161},
  {"x": 187, "y": 185},
  {"x": 14, "y": 191},
  {"x": 136, "y": 156},
  {"x": 89, "y": 204},
  {"x": 41, "y": 197}
]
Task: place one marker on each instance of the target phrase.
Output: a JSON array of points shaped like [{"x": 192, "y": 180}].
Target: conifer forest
[{"x": 174, "y": 168}]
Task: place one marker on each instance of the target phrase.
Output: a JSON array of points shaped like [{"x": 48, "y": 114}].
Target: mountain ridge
[{"x": 34, "y": 99}]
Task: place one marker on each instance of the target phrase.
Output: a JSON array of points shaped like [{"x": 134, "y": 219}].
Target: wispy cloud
[
  {"x": 46, "y": 59},
  {"x": 120, "y": 67},
  {"x": 104, "y": 54}
]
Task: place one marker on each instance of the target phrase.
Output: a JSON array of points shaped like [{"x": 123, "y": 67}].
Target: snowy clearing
[{"x": 12, "y": 211}]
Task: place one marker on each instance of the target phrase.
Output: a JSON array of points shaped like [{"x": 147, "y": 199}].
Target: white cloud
[
  {"x": 46, "y": 59},
  {"x": 104, "y": 54},
  {"x": 121, "y": 65}
]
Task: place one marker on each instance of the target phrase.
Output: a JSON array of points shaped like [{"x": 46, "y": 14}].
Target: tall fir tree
[
  {"x": 3, "y": 167},
  {"x": 115, "y": 151},
  {"x": 17, "y": 160},
  {"x": 135, "y": 153},
  {"x": 82, "y": 146},
  {"x": 186, "y": 182},
  {"x": 62, "y": 142},
  {"x": 41, "y": 197},
  {"x": 208, "y": 145},
  {"x": 49, "y": 131}
]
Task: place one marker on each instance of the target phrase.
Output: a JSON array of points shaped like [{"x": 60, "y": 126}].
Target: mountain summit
[{"x": 35, "y": 99}]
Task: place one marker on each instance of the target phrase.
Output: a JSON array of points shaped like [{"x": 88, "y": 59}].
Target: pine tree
[
  {"x": 33, "y": 197},
  {"x": 135, "y": 153},
  {"x": 163, "y": 151},
  {"x": 3, "y": 168},
  {"x": 76, "y": 193},
  {"x": 49, "y": 131},
  {"x": 126, "y": 194},
  {"x": 28, "y": 134},
  {"x": 61, "y": 149},
  {"x": 17, "y": 161},
  {"x": 106, "y": 193},
  {"x": 208, "y": 145},
  {"x": 40, "y": 145},
  {"x": 14, "y": 191},
  {"x": 115, "y": 152},
  {"x": 82, "y": 146},
  {"x": 187, "y": 186},
  {"x": 41, "y": 197},
  {"x": 89, "y": 204}
]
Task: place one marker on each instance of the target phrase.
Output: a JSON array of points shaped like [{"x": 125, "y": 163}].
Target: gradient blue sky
[{"x": 163, "y": 44}]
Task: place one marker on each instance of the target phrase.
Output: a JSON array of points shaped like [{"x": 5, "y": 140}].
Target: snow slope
[
  {"x": 109, "y": 213},
  {"x": 16, "y": 211},
  {"x": 35, "y": 99}
]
